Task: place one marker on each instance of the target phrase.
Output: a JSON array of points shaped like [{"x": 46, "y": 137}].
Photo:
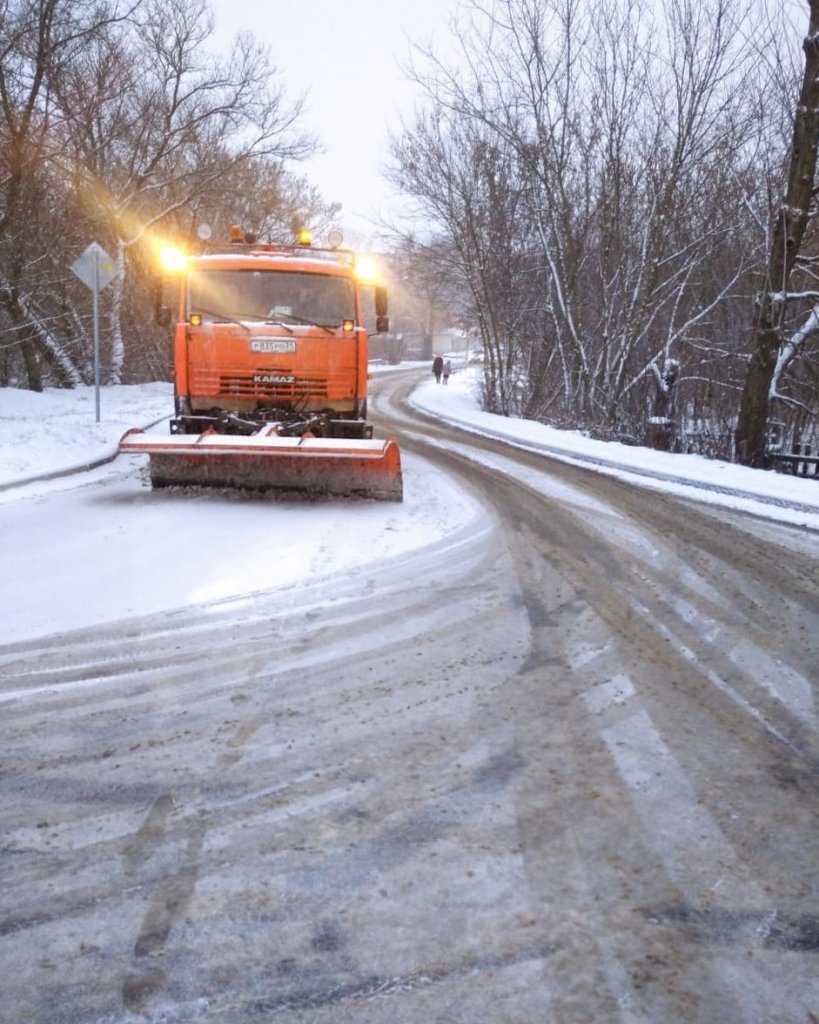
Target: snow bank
[
  {"x": 775, "y": 495},
  {"x": 46, "y": 432}
]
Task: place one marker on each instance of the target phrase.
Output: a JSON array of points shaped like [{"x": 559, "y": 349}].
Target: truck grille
[{"x": 265, "y": 384}]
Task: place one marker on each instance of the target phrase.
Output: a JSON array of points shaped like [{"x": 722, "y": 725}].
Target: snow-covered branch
[{"x": 791, "y": 348}]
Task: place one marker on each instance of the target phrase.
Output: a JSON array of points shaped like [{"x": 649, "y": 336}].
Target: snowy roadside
[
  {"x": 76, "y": 555},
  {"x": 119, "y": 554},
  {"x": 794, "y": 500},
  {"x": 55, "y": 432}
]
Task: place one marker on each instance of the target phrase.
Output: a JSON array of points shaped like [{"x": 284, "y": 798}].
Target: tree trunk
[
  {"x": 31, "y": 362},
  {"x": 26, "y": 342},
  {"x": 789, "y": 230},
  {"x": 115, "y": 315}
]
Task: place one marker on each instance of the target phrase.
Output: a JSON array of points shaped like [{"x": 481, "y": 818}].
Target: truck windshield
[{"x": 280, "y": 296}]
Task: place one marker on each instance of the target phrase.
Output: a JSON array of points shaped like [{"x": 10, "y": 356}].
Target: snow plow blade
[{"x": 267, "y": 462}]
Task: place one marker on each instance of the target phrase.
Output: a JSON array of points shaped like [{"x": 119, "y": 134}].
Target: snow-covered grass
[
  {"x": 57, "y": 430},
  {"x": 777, "y": 496}
]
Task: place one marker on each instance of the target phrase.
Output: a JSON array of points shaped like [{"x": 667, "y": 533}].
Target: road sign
[{"x": 95, "y": 268}]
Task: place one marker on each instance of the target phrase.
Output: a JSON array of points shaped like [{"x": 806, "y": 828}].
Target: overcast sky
[{"x": 347, "y": 56}]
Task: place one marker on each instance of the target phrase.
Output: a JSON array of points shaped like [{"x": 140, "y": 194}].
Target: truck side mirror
[
  {"x": 381, "y": 301},
  {"x": 162, "y": 315},
  {"x": 382, "y": 325}
]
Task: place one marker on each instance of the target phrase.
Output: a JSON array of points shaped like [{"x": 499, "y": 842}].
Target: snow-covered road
[
  {"x": 538, "y": 745},
  {"x": 81, "y": 549},
  {"x": 104, "y": 547}
]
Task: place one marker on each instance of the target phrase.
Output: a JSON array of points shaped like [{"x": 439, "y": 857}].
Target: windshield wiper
[
  {"x": 221, "y": 318},
  {"x": 280, "y": 323},
  {"x": 306, "y": 322}
]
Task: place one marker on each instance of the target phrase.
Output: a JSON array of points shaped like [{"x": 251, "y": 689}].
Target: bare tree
[
  {"x": 624, "y": 130},
  {"x": 38, "y": 38},
  {"x": 116, "y": 124},
  {"x": 425, "y": 292},
  {"x": 463, "y": 179},
  {"x": 153, "y": 125},
  {"x": 771, "y": 352}
]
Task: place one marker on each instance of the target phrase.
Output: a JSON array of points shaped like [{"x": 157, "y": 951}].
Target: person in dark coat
[{"x": 437, "y": 368}]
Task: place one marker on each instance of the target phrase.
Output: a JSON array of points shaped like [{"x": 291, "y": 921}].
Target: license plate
[{"x": 272, "y": 345}]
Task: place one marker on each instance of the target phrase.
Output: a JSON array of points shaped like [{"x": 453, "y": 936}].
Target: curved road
[{"x": 560, "y": 768}]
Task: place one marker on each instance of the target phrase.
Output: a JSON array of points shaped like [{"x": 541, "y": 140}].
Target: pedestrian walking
[
  {"x": 446, "y": 371},
  {"x": 437, "y": 368}
]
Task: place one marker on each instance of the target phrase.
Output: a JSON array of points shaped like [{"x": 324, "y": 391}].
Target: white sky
[
  {"x": 346, "y": 55},
  {"x": 100, "y": 546}
]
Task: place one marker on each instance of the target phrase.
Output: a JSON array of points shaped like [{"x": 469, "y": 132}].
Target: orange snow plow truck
[{"x": 270, "y": 374}]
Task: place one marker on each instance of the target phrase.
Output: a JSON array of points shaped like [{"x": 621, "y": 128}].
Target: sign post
[{"x": 95, "y": 268}]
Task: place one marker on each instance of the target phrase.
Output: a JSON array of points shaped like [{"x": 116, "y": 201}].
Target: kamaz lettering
[{"x": 266, "y": 378}]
